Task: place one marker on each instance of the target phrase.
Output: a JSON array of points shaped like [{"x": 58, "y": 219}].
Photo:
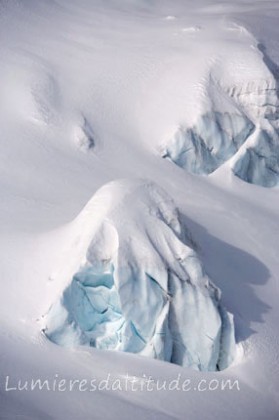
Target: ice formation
[
  {"x": 232, "y": 111},
  {"x": 136, "y": 285},
  {"x": 259, "y": 162},
  {"x": 214, "y": 139}
]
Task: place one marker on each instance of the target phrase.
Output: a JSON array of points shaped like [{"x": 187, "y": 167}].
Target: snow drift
[{"x": 136, "y": 284}]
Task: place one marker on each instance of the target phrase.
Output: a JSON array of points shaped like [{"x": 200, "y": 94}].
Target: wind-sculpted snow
[
  {"x": 222, "y": 132},
  {"x": 138, "y": 286}
]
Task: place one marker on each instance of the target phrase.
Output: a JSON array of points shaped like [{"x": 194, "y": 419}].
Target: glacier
[
  {"x": 137, "y": 285},
  {"x": 231, "y": 112},
  {"x": 259, "y": 163},
  {"x": 214, "y": 139}
]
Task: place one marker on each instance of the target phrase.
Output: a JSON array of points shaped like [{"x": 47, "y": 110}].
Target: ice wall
[
  {"x": 259, "y": 162},
  {"x": 214, "y": 139},
  {"x": 138, "y": 286},
  {"x": 236, "y": 105}
]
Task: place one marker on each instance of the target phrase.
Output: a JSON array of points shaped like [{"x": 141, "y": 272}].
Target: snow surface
[
  {"x": 139, "y": 288},
  {"x": 231, "y": 111},
  {"x": 93, "y": 91}
]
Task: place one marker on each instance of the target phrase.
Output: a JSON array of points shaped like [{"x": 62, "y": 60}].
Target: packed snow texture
[
  {"x": 234, "y": 111},
  {"x": 127, "y": 75},
  {"x": 84, "y": 136},
  {"x": 140, "y": 287}
]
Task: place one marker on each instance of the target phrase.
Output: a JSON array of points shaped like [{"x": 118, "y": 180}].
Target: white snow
[
  {"x": 93, "y": 91},
  {"x": 232, "y": 108},
  {"x": 139, "y": 287}
]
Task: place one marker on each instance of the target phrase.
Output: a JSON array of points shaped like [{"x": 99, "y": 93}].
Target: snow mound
[
  {"x": 234, "y": 107},
  {"x": 84, "y": 136},
  {"x": 136, "y": 285},
  {"x": 30, "y": 92}
]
